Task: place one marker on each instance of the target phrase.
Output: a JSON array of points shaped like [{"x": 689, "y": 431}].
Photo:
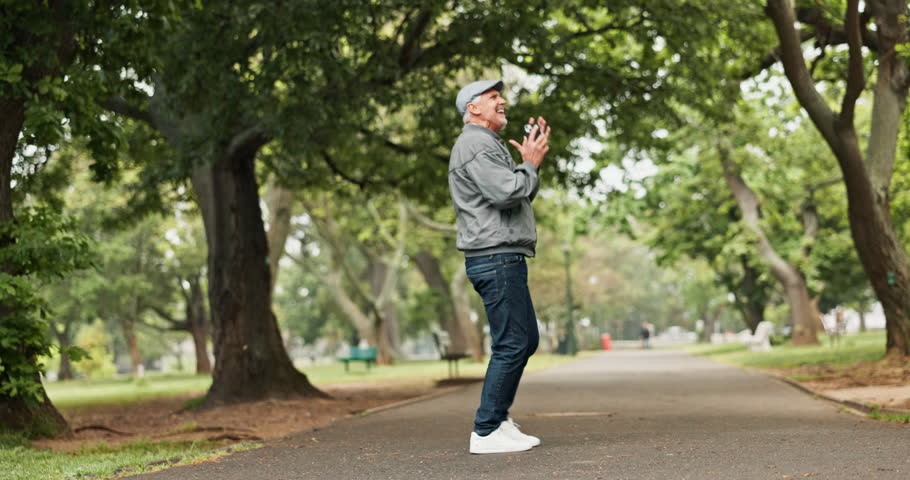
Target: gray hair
[{"x": 467, "y": 116}]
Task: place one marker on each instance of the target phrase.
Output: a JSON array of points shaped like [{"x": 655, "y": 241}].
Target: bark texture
[
  {"x": 33, "y": 419},
  {"x": 250, "y": 360}
]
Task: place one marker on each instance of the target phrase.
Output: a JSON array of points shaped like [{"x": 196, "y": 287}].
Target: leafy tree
[
  {"x": 47, "y": 74},
  {"x": 867, "y": 176}
]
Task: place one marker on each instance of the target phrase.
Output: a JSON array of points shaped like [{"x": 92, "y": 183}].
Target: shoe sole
[{"x": 484, "y": 452}]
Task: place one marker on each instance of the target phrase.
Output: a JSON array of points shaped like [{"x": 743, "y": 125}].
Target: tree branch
[
  {"x": 120, "y": 106},
  {"x": 429, "y": 223},
  {"x": 410, "y": 48},
  {"x": 362, "y": 183},
  {"x": 772, "y": 57},
  {"x": 405, "y": 149},
  {"x": 856, "y": 79},
  {"x": 248, "y": 140},
  {"x": 175, "y": 324},
  {"x": 781, "y": 15}
]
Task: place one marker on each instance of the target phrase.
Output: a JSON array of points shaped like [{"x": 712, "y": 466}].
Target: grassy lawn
[
  {"x": 82, "y": 393},
  {"x": 865, "y": 347},
  {"x": 18, "y": 461}
]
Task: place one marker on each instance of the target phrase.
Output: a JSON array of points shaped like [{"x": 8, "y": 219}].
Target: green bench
[{"x": 360, "y": 354}]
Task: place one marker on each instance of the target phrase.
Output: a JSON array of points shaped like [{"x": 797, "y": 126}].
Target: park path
[{"x": 655, "y": 414}]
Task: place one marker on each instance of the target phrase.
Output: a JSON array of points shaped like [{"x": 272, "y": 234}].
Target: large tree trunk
[
  {"x": 197, "y": 321},
  {"x": 790, "y": 278},
  {"x": 868, "y": 178},
  {"x": 250, "y": 360},
  {"x": 428, "y": 265},
  {"x": 34, "y": 419}
]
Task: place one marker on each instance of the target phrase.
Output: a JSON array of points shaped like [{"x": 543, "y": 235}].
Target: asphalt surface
[{"x": 653, "y": 414}]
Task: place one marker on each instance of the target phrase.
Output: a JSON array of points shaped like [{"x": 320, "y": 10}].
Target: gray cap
[{"x": 473, "y": 90}]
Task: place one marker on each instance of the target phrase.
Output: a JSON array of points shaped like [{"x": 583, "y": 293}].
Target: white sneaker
[
  {"x": 512, "y": 429},
  {"x": 497, "y": 442}
]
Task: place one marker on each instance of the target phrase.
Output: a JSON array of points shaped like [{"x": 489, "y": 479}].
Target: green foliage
[
  {"x": 60, "y": 58},
  {"x": 95, "y": 340},
  {"x": 46, "y": 247}
]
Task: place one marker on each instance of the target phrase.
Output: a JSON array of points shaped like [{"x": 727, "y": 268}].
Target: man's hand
[{"x": 534, "y": 147}]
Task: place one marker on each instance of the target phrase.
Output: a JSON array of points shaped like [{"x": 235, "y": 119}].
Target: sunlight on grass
[
  {"x": 847, "y": 350},
  {"x": 103, "y": 461},
  {"x": 84, "y": 393}
]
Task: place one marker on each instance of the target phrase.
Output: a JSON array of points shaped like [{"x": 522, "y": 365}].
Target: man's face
[{"x": 489, "y": 110}]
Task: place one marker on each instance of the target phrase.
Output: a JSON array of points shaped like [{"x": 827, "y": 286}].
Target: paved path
[{"x": 618, "y": 415}]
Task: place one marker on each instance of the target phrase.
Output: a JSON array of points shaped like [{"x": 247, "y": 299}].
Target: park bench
[
  {"x": 760, "y": 341},
  {"x": 360, "y": 354},
  {"x": 444, "y": 345}
]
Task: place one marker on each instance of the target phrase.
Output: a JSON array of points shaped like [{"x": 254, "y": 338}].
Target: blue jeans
[{"x": 502, "y": 282}]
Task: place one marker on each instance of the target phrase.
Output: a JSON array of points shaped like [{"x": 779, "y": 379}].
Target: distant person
[
  {"x": 645, "y": 335},
  {"x": 496, "y": 231}
]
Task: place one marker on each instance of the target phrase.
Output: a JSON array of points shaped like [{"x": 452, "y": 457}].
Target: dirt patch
[
  {"x": 885, "y": 383},
  {"x": 165, "y": 419}
]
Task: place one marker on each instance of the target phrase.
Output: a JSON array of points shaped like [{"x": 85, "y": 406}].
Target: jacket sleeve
[{"x": 499, "y": 184}]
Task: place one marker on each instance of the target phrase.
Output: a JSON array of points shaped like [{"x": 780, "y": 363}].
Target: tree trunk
[
  {"x": 250, "y": 360},
  {"x": 360, "y": 320},
  {"x": 39, "y": 418},
  {"x": 804, "y": 327},
  {"x": 279, "y": 201},
  {"x": 65, "y": 372},
  {"x": 868, "y": 178},
  {"x": 386, "y": 319},
  {"x": 128, "y": 325},
  {"x": 461, "y": 303},
  {"x": 11, "y": 121},
  {"x": 432, "y": 273},
  {"x": 199, "y": 326},
  {"x": 32, "y": 419},
  {"x": 710, "y": 319},
  {"x": 862, "y": 317},
  {"x": 749, "y": 297}
]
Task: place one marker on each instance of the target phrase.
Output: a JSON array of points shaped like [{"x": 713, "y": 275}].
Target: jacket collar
[{"x": 473, "y": 127}]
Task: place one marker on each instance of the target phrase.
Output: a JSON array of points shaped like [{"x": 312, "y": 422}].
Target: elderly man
[{"x": 496, "y": 231}]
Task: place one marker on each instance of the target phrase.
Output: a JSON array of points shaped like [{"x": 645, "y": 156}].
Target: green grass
[
  {"x": 848, "y": 350},
  {"x": 85, "y": 393},
  {"x": 890, "y": 417},
  {"x": 20, "y": 462}
]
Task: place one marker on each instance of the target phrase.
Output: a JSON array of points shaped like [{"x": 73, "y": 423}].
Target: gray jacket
[{"x": 492, "y": 196}]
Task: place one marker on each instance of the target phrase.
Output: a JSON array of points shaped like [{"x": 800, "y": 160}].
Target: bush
[{"x": 95, "y": 340}]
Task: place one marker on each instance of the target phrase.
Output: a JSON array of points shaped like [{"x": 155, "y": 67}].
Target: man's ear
[{"x": 473, "y": 108}]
